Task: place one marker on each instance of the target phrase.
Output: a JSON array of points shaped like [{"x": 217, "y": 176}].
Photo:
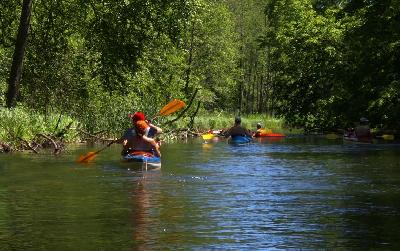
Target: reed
[
  {"x": 19, "y": 124},
  {"x": 206, "y": 122}
]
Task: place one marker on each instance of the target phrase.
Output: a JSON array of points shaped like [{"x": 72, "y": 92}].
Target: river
[{"x": 294, "y": 193}]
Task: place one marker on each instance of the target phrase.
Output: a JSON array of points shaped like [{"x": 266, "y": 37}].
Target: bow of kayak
[
  {"x": 239, "y": 140},
  {"x": 356, "y": 139},
  {"x": 144, "y": 159},
  {"x": 272, "y": 135}
]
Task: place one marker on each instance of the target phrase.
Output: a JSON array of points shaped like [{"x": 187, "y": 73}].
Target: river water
[{"x": 294, "y": 193}]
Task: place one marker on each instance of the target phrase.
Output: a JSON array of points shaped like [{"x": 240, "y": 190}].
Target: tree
[
  {"x": 16, "y": 67},
  {"x": 305, "y": 51}
]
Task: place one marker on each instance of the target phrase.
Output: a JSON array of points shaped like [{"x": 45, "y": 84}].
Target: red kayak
[{"x": 275, "y": 135}]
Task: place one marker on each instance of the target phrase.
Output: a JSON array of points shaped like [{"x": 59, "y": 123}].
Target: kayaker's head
[
  {"x": 140, "y": 127},
  {"x": 238, "y": 120},
  {"x": 137, "y": 116},
  {"x": 258, "y": 125},
  {"x": 364, "y": 121}
]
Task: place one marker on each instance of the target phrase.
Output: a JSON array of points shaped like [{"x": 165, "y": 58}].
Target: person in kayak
[
  {"x": 259, "y": 130},
  {"x": 363, "y": 130},
  {"x": 150, "y": 130},
  {"x": 237, "y": 129},
  {"x": 140, "y": 142}
]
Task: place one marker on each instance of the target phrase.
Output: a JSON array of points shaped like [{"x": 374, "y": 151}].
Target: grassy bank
[
  {"x": 20, "y": 127},
  {"x": 215, "y": 121}
]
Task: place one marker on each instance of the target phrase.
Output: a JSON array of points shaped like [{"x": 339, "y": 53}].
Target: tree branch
[{"x": 185, "y": 110}]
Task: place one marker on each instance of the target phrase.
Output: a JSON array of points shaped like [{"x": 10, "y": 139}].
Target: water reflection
[
  {"x": 141, "y": 205},
  {"x": 295, "y": 193}
]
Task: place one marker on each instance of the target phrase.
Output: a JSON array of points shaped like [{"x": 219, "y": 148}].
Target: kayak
[
  {"x": 260, "y": 135},
  {"x": 385, "y": 137},
  {"x": 145, "y": 158},
  {"x": 269, "y": 139},
  {"x": 353, "y": 138},
  {"x": 238, "y": 140},
  {"x": 207, "y": 136},
  {"x": 331, "y": 136}
]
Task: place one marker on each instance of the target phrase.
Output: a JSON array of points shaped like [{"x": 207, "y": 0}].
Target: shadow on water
[{"x": 301, "y": 193}]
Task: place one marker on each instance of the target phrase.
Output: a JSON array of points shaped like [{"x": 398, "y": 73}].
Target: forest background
[{"x": 312, "y": 63}]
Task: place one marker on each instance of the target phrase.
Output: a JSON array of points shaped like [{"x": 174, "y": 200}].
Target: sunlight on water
[{"x": 283, "y": 194}]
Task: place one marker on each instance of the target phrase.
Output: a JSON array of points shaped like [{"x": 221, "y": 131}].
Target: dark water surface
[{"x": 293, "y": 193}]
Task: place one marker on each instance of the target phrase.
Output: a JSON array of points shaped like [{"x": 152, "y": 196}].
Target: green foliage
[
  {"x": 252, "y": 92},
  {"x": 333, "y": 62},
  {"x": 373, "y": 46},
  {"x": 316, "y": 63},
  {"x": 305, "y": 46},
  {"x": 220, "y": 120},
  {"x": 20, "y": 124}
]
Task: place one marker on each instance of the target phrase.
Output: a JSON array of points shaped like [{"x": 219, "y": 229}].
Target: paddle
[
  {"x": 168, "y": 109},
  {"x": 90, "y": 155},
  {"x": 171, "y": 107},
  {"x": 386, "y": 137}
]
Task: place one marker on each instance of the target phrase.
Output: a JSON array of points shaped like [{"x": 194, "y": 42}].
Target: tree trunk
[
  {"x": 18, "y": 57},
  {"x": 190, "y": 60}
]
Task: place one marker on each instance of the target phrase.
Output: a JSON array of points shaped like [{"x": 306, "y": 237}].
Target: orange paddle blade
[
  {"x": 171, "y": 107},
  {"x": 88, "y": 157}
]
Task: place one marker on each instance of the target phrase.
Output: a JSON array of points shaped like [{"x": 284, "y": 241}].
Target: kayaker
[
  {"x": 258, "y": 131},
  {"x": 261, "y": 131},
  {"x": 150, "y": 130},
  {"x": 237, "y": 129},
  {"x": 140, "y": 142},
  {"x": 363, "y": 130}
]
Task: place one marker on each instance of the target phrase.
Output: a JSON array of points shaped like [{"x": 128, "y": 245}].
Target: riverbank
[{"x": 25, "y": 129}]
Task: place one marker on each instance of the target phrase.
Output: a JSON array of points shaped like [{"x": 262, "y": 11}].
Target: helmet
[
  {"x": 137, "y": 116},
  {"x": 238, "y": 120}
]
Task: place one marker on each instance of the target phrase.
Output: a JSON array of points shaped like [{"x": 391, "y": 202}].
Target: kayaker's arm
[
  {"x": 158, "y": 129},
  {"x": 157, "y": 152},
  {"x": 248, "y": 133},
  {"x": 227, "y": 133},
  {"x": 154, "y": 145}
]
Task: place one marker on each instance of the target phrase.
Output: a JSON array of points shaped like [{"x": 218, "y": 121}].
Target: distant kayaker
[
  {"x": 363, "y": 130},
  {"x": 140, "y": 142},
  {"x": 237, "y": 129},
  {"x": 260, "y": 131}
]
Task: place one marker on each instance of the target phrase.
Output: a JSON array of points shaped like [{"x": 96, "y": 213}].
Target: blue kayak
[
  {"x": 353, "y": 138},
  {"x": 238, "y": 140}
]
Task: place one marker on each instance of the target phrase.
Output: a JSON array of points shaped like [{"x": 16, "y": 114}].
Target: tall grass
[
  {"x": 209, "y": 121},
  {"x": 23, "y": 124}
]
